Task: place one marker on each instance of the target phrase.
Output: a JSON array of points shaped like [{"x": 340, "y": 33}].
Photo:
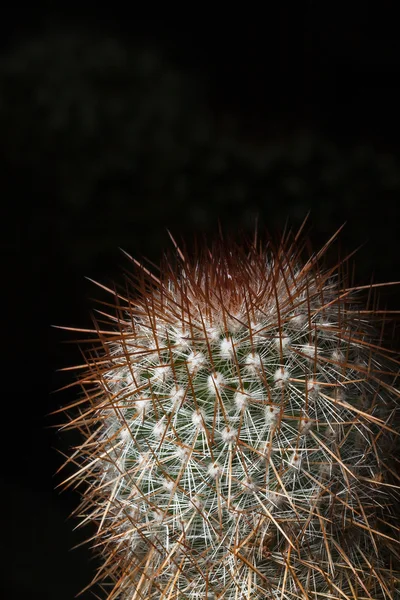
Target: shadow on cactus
[{"x": 239, "y": 431}]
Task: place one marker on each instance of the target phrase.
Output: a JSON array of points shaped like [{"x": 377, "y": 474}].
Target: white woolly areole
[
  {"x": 125, "y": 434},
  {"x": 143, "y": 405},
  {"x": 297, "y": 321},
  {"x": 197, "y": 502},
  {"x": 177, "y": 394},
  {"x": 215, "y": 382},
  {"x": 253, "y": 363},
  {"x": 332, "y": 433},
  {"x": 248, "y": 485},
  {"x": 337, "y": 356},
  {"x": 213, "y": 334},
  {"x": 198, "y": 417},
  {"x": 241, "y": 400},
  {"x": 271, "y": 414},
  {"x": 226, "y": 348},
  {"x": 214, "y": 470},
  {"x": 282, "y": 341},
  {"x": 195, "y": 361},
  {"x": 305, "y": 425},
  {"x": 281, "y": 376},
  {"x": 229, "y": 434},
  {"x": 167, "y": 484},
  {"x": 181, "y": 338},
  {"x": 295, "y": 460},
  {"x": 159, "y": 428},
  {"x": 313, "y": 388},
  {"x": 143, "y": 459},
  {"x": 183, "y": 453},
  {"x": 161, "y": 373},
  {"x": 309, "y": 350},
  {"x": 158, "y": 515},
  {"x": 275, "y": 499}
]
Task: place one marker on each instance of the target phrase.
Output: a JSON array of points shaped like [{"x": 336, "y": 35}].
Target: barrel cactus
[{"x": 239, "y": 419}]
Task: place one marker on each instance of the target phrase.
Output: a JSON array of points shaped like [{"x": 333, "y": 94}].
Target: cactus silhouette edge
[{"x": 239, "y": 421}]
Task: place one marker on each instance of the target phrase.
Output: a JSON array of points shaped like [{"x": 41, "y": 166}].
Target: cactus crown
[{"x": 239, "y": 432}]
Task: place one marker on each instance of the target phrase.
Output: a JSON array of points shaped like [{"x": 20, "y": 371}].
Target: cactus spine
[{"x": 239, "y": 433}]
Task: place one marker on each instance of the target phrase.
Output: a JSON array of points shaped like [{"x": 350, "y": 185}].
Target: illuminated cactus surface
[{"x": 238, "y": 423}]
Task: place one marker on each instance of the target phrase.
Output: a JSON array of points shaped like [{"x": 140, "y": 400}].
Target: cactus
[{"x": 239, "y": 421}]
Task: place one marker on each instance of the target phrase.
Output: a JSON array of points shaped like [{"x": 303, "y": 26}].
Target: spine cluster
[{"x": 239, "y": 433}]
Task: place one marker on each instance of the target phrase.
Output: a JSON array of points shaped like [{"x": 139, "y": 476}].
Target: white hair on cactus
[
  {"x": 167, "y": 484},
  {"x": 177, "y": 394},
  {"x": 160, "y": 428},
  {"x": 161, "y": 373},
  {"x": 215, "y": 382},
  {"x": 313, "y": 388},
  {"x": 143, "y": 459},
  {"x": 281, "y": 376},
  {"x": 238, "y": 433},
  {"x": 198, "y": 417},
  {"x": 276, "y": 499},
  {"x": 183, "y": 453},
  {"x": 295, "y": 460},
  {"x": 297, "y": 321},
  {"x": 181, "y": 337},
  {"x": 271, "y": 414},
  {"x": 253, "y": 363},
  {"x": 143, "y": 405},
  {"x": 213, "y": 333},
  {"x": 310, "y": 351},
  {"x": 214, "y": 470},
  {"x": 282, "y": 341},
  {"x": 229, "y": 434},
  {"x": 248, "y": 485},
  {"x": 195, "y": 361},
  {"x": 304, "y": 425},
  {"x": 226, "y": 348},
  {"x": 337, "y": 355},
  {"x": 241, "y": 400},
  {"x": 196, "y": 502},
  {"x": 158, "y": 515},
  {"x": 236, "y": 322},
  {"x": 125, "y": 434}
]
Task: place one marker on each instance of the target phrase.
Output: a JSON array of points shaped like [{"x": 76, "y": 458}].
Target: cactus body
[{"x": 239, "y": 434}]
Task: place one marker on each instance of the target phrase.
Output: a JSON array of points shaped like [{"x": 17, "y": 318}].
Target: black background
[{"x": 269, "y": 113}]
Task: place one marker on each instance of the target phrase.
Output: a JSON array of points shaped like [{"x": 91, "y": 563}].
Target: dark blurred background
[{"x": 115, "y": 127}]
